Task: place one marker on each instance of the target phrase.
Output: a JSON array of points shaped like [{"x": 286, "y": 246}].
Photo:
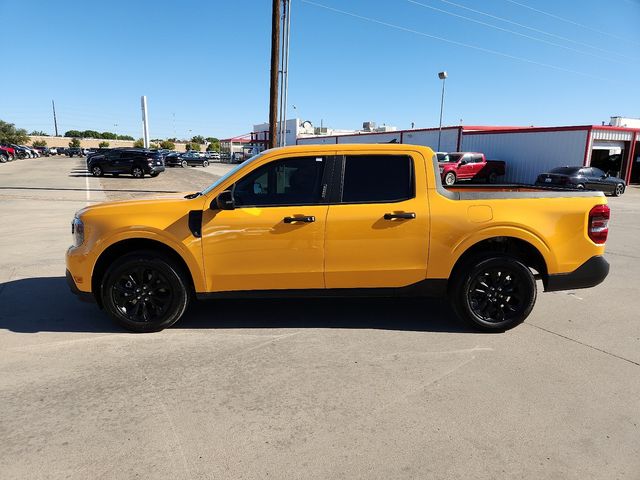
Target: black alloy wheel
[
  {"x": 619, "y": 190},
  {"x": 145, "y": 292},
  {"x": 494, "y": 294},
  {"x": 97, "y": 171},
  {"x": 137, "y": 172}
]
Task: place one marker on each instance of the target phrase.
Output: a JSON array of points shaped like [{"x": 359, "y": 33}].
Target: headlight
[{"x": 77, "y": 230}]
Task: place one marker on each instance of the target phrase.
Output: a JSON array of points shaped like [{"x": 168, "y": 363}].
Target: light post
[
  {"x": 115, "y": 128},
  {"x": 442, "y": 76}
]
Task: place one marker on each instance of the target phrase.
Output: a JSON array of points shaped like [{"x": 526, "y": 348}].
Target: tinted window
[
  {"x": 295, "y": 181},
  {"x": 596, "y": 172},
  {"x": 566, "y": 170},
  {"x": 377, "y": 178}
]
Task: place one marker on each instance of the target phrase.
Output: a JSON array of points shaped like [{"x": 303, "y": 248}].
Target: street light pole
[{"x": 442, "y": 76}]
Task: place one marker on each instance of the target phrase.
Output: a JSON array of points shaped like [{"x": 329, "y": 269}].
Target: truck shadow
[{"x": 46, "y": 305}]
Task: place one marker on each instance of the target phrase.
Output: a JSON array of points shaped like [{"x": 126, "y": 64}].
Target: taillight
[{"x": 599, "y": 223}]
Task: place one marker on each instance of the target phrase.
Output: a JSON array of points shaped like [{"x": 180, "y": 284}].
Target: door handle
[
  {"x": 404, "y": 216},
  {"x": 305, "y": 219}
]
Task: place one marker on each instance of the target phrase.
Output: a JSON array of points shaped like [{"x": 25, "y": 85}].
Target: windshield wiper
[{"x": 193, "y": 195}]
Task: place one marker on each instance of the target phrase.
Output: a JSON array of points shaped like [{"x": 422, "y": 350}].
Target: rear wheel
[
  {"x": 493, "y": 293},
  {"x": 205, "y": 164},
  {"x": 450, "y": 179},
  {"x": 4, "y": 159},
  {"x": 184, "y": 164},
  {"x": 97, "y": 171},
  {"x": 137, "y": 172},
  {"x": 145, "y": 292},
  {"x": 619, "y": 190},
  {"x": 580, "y": 186}
]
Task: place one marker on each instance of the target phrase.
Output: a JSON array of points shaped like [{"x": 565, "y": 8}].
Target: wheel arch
[
  {"x": 123, "y": 247},
  {"x": 515, "y": 247}
]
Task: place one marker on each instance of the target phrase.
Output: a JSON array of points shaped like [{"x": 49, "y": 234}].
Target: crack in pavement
[{"x": 628, "y": 360}]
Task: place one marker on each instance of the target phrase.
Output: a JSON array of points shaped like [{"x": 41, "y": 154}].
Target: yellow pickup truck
[{"x": 339, "y": 220}]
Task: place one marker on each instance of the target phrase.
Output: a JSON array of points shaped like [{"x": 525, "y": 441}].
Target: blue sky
[{"x": 204, "y": 65}]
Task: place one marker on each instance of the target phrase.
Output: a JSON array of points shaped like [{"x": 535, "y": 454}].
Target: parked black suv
[
  {"x": 133, "y": 161},
  {"x": 73, "y": 151}
]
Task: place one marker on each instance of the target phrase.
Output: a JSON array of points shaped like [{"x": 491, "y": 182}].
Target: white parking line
[{"x": 88, "y": 192}]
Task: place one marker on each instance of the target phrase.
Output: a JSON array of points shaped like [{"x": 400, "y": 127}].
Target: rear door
[{"x": 377, "y": 232}]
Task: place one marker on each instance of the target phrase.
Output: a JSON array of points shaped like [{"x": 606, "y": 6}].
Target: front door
[
  {"x": 378, "y": 232},
  {"x": 274, "y": 238}
]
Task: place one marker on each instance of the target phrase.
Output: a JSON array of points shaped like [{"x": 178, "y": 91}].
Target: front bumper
[
  {"x": 156, "y": 169},
  {"x": 84, "y": 296},
  {"x": 589, "y": 274}
]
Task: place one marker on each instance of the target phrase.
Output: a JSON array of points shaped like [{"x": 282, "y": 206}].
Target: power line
[
  {"x": 515, "y": 33},
  {"x": 453, "y": 42},
  {"x": 566, "y": 20},
  {"x": 537, "y": 30}
]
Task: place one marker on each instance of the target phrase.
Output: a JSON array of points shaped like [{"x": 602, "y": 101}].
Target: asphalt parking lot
[{"x": 312, "y": 389}]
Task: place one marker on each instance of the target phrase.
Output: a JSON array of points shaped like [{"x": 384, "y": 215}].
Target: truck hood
[{"x": 158, "y": 203}]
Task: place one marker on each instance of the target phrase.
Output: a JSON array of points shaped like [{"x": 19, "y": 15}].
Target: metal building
[{"x": 527, "y": 151}]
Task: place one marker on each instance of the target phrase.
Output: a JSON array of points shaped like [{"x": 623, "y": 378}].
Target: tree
[
  {"x": 74, "y": 143},
  {"x": 193, "y": 146},
  {"x": 10, "y": 134},
  {"x": 199, "y": 139},
  {"x": 139, "y": 143},
  {"x": 154, "y": 146},
  {"x": 73, "y": 133},
  {"x": 108, "y": 135},
  {"x": 168, "y": 145},
  {"x": 103, "y": 145},
  {"x": 125, "y": 137},
  {"x": 39, "y": 133},
  {"x": 39, "y": 143},
  {"x": 91, "y": 134}
]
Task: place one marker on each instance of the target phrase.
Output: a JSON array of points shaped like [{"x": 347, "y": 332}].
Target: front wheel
[
  {"x": 137, "y": 172},
  {"x": 3, "y": 159},
  {"x": 494, "y": 294},
  {"x": 493, "y": 177},
  {"x": 97, "y": 171},
  {"x": 205, "y": 164},
  {"x": 184, "y": 164},
  {"x": 619, "y": 190},
  {"x": 145, "y": 292}
]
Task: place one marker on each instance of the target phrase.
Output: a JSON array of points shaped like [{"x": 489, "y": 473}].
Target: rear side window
[{"x": 377, "y": 178}]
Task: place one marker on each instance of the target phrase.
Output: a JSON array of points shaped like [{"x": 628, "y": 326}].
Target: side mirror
[
  {"x": 606, "y": 175},
  {"x": 224, "y": 201}
]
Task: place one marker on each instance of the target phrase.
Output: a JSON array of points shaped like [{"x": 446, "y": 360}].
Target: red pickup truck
[{"x": 469, "y": 166}]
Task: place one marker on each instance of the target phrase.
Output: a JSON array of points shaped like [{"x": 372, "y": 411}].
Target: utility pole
[
  {"x": 273, "y": 89},
  {"x": 55, "y": 120},
  {"x": 145, "y": 121},
  {"x": 442, "y": 76}
]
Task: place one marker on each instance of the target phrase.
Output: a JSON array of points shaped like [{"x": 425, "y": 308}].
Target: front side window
[
  {"x": 294, "y": 181},
  {"x": 377, "y": 178}
]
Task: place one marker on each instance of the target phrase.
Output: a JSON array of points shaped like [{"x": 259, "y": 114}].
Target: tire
[
  {"x": 144, "y": 292},
  {"x": 493, "y": 177},
  {"x": 97, "y": 171},
  {"x": 478, "y": 292},
  {"x": 619, "y": 190},
  {"x": 184, "y": 164},
  {"x": 449, "y": 179},
  {"x": 205, "y": 164},
  {"x": 137, "y": 172},
  {"x": 4, "y": 159},
  {"x": 580, "y": 186}
]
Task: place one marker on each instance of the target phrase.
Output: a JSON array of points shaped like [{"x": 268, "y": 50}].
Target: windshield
[
  {"x": 443, "y": 157},
  {"x": 229, "y": 174},
  {"x": 454, "y": 157}
]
